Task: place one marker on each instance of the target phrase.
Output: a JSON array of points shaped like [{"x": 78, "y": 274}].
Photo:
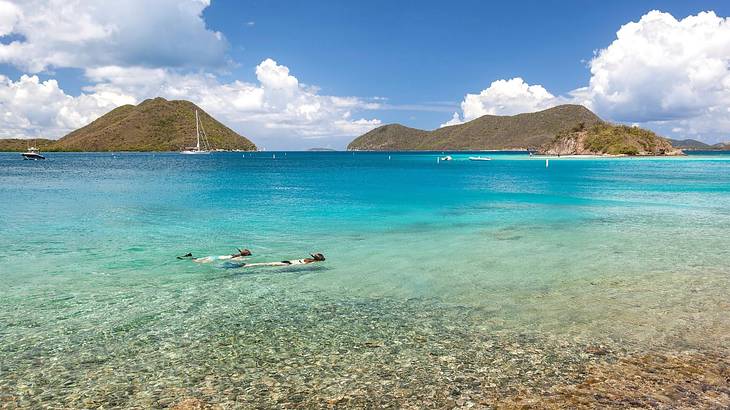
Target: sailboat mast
[{"x": 197, "y": 131}]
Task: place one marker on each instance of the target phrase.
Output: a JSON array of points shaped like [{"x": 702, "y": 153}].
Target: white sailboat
[{"x": 198, "y": 149}]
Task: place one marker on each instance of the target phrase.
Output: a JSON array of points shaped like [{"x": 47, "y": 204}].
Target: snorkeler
[
  {"x": 316, "y": 257},
  {"x": 242, "y": 253}
]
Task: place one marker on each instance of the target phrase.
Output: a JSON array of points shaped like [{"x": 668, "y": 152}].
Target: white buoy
[
  {"x": 388, "y": 157},
  {"x": 547, "y": 163},
  {"x": 438, "y": 160},
  {"x": 273, "y": 156}
]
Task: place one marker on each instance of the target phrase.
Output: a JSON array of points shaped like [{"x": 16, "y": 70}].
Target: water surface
[{"x": 443, "y": 281}]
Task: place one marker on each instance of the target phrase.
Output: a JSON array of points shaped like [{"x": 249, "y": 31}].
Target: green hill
[
  {"x": 522, "y": 131},
  {"x": 153, "y": 125},
  {"x": 20, "y": 145},
  {"x": 608, "y": 139}
]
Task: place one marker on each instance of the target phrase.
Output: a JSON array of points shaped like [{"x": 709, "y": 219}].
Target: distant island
[
  {"x": 690, "y": 144},
  {"x": 562, "y": 130},
  {"x": 153, "y": 125},
  {"x": 321, "y": 149},
  {"x": 489, "y": 132}
]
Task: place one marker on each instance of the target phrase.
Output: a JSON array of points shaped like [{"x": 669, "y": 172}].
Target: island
[
  {"x": 155, "y": 124},
  {"x": 694, "y": 145},
  {"x": 562, "y": 130}
]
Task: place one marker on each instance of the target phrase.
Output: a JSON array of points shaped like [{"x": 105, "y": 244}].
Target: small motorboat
[
  {"x": 479, "y": 159},
  {"x": 32, "y": 153},
  {"x": 446, "y": 158}
]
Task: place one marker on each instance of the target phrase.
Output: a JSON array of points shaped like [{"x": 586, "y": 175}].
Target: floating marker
[
  {"x": 547, "y": 163},
  {"x": 388, "y": 157},
  {"x": 273, "y": 156}
]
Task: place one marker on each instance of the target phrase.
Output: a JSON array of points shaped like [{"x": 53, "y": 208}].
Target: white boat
[
  {"x": 479, "y": 159},
  {"x": 198, "y": 149},
  {"x": 32, "y": 153},
  {"x": 446, "y": 158}
]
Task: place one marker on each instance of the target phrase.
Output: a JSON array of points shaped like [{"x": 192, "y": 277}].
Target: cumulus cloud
[
  {"x": 504, "y": 97},
  {"x": 132, "y": 50},
  {"x": 278, "y": 105},
  {"x": 9, "y": 15},
  {"x": 670, "y": 75},
  {"x": 673, "y": 73},
  {"x": 92, "y": 33},
  {"x": 31, "y": 108},
  {"x": 455, "y": 120}
]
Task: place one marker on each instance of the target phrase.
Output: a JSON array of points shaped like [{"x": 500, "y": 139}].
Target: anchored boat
[
  {"x": 479, "y": 159},
  {"x": 32, "y": 153},
  {"x": 198, "y": 149}
]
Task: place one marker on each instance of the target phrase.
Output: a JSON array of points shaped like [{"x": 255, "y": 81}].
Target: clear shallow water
[{"x": 452, "y": 266}]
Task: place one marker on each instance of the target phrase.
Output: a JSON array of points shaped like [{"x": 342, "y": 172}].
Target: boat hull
[
  {"x": 32, "y": 156},
  {"x": 194, "y": 152}
]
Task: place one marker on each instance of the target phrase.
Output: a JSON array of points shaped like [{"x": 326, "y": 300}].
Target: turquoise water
[{"x": 453, "y": 265}]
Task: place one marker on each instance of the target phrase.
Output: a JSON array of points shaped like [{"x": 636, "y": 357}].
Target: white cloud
[
  {"x": 455, "y": 120},
  {"x": 506, "y": 97},
  {"x": 9, "y": 16},
  {"x": 137, "y": 49},
  {"x": 31, "y": 108},
  {"x": 666, "y": 74},
  {"x": 276, "y": 112},
  {"x": 93, "y": 33}
]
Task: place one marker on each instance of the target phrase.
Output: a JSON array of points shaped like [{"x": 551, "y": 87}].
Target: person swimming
[
  {"x": 242, "y": 253},
  {"x": 315, "y": 257}
]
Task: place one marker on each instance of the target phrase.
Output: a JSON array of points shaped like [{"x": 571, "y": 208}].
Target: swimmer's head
[
  {"x": 244, "y": 252},
  {"x": 317, "y": 256}
]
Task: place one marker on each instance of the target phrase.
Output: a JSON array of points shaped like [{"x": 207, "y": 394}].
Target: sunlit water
[{"x": 436, "y": 273}]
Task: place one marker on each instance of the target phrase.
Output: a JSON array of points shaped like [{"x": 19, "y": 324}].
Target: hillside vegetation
[
  {"x": 20, "y": 145},
  {"x": 609, "y": 139},
  {"x": 522, "y": 131},
  {"x": 153, "y": 125}
]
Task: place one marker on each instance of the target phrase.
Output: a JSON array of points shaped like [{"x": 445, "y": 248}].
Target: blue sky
[
  {"x": 412, "y": 62},
  {"x": 420, "y": 52}
]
